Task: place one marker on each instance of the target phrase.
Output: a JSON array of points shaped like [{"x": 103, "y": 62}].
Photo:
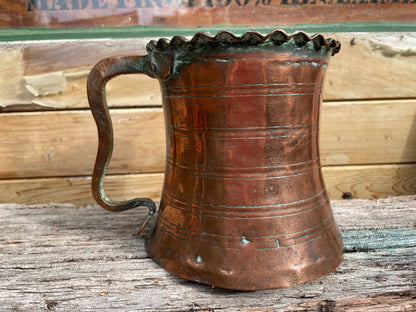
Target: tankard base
[{"x": 247, "y": 268}]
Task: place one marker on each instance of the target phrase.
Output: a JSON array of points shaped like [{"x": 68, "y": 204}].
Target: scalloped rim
[{"x": 226, "y": 37}]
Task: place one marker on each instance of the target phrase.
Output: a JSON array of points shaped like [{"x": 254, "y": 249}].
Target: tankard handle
[{"x": 97, "y": 80}]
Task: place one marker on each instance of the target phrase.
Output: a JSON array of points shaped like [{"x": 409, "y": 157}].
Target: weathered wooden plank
[
  {"x": 53, "y": 74},
  {"x": 69, "y": 258},
  {"x": 50, "y": 144},
  {"x": 376, "y": 214},
  {"x": 360, "y": 240},
  {"x": 76, "y": 13},
  {"x": 77, "y": 190},
  {"x": 400, "y": 302},
  {"x": 376, "y": 71},
  {"x": 361, "y": 181},
  {"x": 368, "y": 132},
  {"x": 376, "y": 181}
]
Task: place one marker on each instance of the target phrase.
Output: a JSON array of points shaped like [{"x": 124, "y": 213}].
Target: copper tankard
[{"x": 244, "y": 205}]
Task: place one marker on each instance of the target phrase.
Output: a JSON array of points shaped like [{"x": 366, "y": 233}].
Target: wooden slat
[
  {"x": 52, "y": 144},
  {"x": 81, "y": 14},
  {"x": 59, "y": 143},
  {"x": 362, "y": 181},
  {"x": 372, "y": 66},
  {"x": 374, "y": 181},
  {"x": 77, "y": 190},
  {"x": 53, "y": 74},
  {"x": 368, "y": 132}
]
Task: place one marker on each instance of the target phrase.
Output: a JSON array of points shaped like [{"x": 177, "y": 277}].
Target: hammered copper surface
[{"x": 244, "y": 205}]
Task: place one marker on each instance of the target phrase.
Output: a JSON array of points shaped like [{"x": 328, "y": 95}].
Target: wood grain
[
  {"x": 76, "y": 14},
  {"x": 64, "y": 143},
  {"x": 400, "y": 302},
  {"x": 77, "y": 190},
  {"x": 68, "y": 258},
  {"x": 52, "y": 74},
  {"x": 49, "y": 144},
  {"x": 375, "y": 181},
  {"x": 368, "y": 132}
]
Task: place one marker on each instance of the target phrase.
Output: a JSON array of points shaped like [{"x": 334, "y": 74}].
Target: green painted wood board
[{"x": 24, "y": 34}]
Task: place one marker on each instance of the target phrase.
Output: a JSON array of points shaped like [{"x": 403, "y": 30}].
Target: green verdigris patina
[{"x": 167, "y": 57}]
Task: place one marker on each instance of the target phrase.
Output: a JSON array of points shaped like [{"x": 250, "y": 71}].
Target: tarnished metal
[{"x": 244, "y": 205}]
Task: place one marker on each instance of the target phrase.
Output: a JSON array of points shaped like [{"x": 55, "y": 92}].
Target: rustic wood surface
[
  {"x": 77, "y": 190},
  {"x": 69, "y": 258},
  {"x": 370, "y": 181},
  {"x": 49, "y": 140},
  {"x": 85, "y": 13},
  {"x": 368, "y": 132},
  {"x": 49, "y": 144},
  {"x": 52, "y": 74},
  {"x": 367, "y": 148}
]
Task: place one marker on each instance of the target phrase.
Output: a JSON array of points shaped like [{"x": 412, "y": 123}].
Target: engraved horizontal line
[
  {"x": 246, "y": 206},
  {"x": 199, "y": 243},
  {"x": 327, "y": 221},
  {"x": 329, "y": 227},
  {"x": 329, "y": 217},
  {"x": 249, "y": 85},
  {"x": 245, "y": 217},
  {"x": 240, "y": 167},
  {"x": 239, "y": 59},
  {"x": 257, "y": 89},
  {"x": 305, "y": 62},
  {"x": 244, "y": 128},
  {"x": 221, "y": 60},
  {"x": 239, "y": 177},
  {"x": 243, "y": 137},
  {"x": 237, "y": 95}
]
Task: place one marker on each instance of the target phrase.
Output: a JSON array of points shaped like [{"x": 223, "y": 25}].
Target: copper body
[{"x": 244, "y": 205}]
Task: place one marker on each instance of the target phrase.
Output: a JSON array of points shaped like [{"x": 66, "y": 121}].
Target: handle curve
[{"x": 101, "y": 73}]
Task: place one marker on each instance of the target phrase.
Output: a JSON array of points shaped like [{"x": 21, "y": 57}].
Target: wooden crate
[
  {"x": 49, "y": 139},
  {"x": 197, "y": 13}
]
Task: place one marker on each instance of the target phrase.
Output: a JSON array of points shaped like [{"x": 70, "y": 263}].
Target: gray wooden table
[{"x": 68, "y": 258}]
